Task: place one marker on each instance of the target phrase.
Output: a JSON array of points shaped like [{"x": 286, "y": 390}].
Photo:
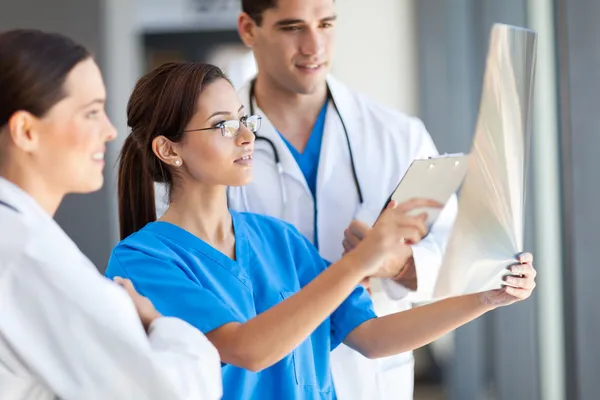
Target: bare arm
[
  {"x": 408, "y": 330},
  {"x": 270, "y": 336}
]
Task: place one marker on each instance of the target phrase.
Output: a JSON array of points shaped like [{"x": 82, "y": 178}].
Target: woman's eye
[{"x": 92, "y": 114}]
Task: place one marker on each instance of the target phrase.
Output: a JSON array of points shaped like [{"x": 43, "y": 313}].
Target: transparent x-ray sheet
[{"x": 488, "y": 232}]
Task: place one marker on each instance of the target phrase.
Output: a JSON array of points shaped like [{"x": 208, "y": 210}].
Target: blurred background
[{"x": 425, "y": 58}]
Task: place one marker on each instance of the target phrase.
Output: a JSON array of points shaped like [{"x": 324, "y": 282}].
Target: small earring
[{"x": 177, "y": 162}]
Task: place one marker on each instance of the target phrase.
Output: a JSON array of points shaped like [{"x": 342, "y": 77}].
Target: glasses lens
[
  {"x": 231, "y": 128},
  {"x": 253, "y": 123}
]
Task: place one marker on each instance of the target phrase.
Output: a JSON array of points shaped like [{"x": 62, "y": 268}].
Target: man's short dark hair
[{"x": 255, "y": 8}]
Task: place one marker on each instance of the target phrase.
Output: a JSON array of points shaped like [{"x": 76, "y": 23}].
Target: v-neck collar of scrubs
[
  {"x": 182, "y": 236},
  {"x": 308, "y": 159}
]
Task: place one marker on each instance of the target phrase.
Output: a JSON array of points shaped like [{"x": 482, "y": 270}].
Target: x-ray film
[{"x": 488, "y": 232}]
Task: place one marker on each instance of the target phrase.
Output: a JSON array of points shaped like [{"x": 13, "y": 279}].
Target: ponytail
[
  {"x": 162, "y": 104},
  {"x": 136, "y": 189}
]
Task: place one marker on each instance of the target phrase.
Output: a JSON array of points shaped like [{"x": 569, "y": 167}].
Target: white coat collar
[
  {"x": 344, "y": 98},
  {"x": 17, "y": 198},
  {"x": 350, "y": 111},
  {"x": 333, "y": 136}
]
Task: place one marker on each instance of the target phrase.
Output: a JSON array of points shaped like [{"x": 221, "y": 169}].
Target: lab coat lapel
[
  {"x": 15, "y": 198},
  {"x": 337, "y": 195},
  {"x": 31, "y": 213},
  {"x": 354, "y": 119},
  {"x": 334, "y": 137},
  {"x": 365, "y": 143}
]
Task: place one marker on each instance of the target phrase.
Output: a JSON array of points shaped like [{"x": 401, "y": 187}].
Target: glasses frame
[{"x": 222, "y": 125}]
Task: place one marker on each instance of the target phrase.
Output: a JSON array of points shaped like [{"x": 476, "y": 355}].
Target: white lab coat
[
  {"x": 67, "y": 332},
  {"x": 384, "y": 143}
]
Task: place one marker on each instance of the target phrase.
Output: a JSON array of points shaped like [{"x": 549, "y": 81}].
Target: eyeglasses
[{"x": 232, "y": 127}]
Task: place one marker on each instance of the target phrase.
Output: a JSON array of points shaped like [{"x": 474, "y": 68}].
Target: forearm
[
  {"x": 270, "y": 336},
  {"x": 409, "y": 330}
]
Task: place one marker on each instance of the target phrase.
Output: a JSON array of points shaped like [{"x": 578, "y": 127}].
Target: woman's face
[
  {"x": 73, "y": 133},
  {"x": 208, "y": 156}
]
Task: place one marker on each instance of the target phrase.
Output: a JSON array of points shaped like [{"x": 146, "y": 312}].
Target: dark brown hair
[
  {"x": 255, "y": 8},
  {"x": 162, "y": 103},
  {"x": 33, "y": 68}
]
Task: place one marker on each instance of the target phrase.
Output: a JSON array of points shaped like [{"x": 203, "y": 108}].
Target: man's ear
[{"x": 247, "y": 29}]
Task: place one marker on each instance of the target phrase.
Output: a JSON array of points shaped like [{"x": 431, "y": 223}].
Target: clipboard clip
[{"x": 446, "y": 155}]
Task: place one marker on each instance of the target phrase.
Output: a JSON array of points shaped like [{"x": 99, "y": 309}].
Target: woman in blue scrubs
[{"x": 253, "y": 284}]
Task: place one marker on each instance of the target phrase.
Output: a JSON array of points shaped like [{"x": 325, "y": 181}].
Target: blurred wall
[
  {"x": 121, "y": 66},
  {"x": 376, "y": 50},
  {"x": 578, "y": 33}
]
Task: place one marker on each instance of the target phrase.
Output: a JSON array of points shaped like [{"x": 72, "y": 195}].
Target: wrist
[
  {"x": 147, "y": 322},
  {"x": 407, "y": 275},
  {"x": 362, "y": 262},
  {"x": 408, "y": 264},
  {"x": 484, "y": 301}
]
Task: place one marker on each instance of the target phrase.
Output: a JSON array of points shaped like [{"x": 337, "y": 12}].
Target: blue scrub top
[
  {"x": 308, "y": 161},
  {"x": 187, "y": 278}
]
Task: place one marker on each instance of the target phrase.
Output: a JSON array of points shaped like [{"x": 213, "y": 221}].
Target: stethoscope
[{"x": 277, "y": 159}]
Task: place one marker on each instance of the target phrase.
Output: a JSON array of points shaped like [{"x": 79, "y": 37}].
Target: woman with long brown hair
[
  {"x": 65, "y": 330},
  {"x": 253, "y": 284}
]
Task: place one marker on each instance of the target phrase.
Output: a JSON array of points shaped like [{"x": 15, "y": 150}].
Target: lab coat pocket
[{"x": 303, "y": 359}]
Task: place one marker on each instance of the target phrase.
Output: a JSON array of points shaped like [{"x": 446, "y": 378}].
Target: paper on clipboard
[
  {"x": 434, "y": 179},
  {"x": 488, "y": 231}
]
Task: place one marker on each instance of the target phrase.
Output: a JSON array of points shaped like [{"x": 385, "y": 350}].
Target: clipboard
[{"x": 435, "y": 178}]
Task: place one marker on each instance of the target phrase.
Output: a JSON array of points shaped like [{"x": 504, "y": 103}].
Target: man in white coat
[{"x": 327, "y": 159}]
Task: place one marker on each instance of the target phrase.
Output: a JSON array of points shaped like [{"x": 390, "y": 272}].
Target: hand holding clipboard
[{"x": 436, "y": 178}]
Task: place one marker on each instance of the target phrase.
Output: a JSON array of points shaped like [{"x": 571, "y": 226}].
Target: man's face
[{"x": 294, "y": 44}]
